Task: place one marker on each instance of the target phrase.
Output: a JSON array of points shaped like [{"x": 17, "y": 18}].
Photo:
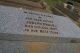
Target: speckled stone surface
[{"x": 12, "y": 20}]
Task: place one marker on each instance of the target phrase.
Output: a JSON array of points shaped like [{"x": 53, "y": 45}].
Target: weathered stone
[{"x": 25, "y": 47}]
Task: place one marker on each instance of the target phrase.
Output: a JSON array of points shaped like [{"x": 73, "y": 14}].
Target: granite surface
[{"x": 12, "y": 20}]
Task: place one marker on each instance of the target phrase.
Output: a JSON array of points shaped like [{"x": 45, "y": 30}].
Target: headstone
[
  {"x": 27, "y": 31},
  {"x": 27, "y": 22}
]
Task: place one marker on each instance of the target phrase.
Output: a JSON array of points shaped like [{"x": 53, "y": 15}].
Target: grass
[{"x": 51, "y": 2}]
